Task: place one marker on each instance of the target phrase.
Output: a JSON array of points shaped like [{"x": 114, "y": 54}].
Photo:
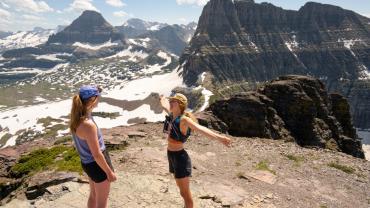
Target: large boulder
[
  {"x": 250, "y": 115},
  {"x": 293, "y": 108}
]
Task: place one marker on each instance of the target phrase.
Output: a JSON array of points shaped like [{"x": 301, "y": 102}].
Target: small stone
[
  {"x": 65, "y": 188},
  {"x": 269, "y": 196}
]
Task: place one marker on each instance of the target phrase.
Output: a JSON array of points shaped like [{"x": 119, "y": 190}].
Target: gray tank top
[{"x": 84, "y": 150}]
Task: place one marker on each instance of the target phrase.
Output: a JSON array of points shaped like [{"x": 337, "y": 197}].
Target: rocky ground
[{"x": 254, "y": 172}]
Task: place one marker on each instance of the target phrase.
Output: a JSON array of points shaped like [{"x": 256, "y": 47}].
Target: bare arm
[
  {"x": 89, "y": 133},
  {"x": 165, "y": 104},
  {"x": 206, "y": 132}
]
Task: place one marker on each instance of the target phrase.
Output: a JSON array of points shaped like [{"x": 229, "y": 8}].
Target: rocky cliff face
[
  {"x": 238, "y": 41},
  {"x": 90, "y": 27},
  {"x": 291, "y": 108}
]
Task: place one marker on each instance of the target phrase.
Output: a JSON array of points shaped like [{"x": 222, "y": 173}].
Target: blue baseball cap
[{"x": 88, "y": 91}]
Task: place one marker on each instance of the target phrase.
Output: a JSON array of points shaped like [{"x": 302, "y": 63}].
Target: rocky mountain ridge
[{"x": 247, "y": 42}]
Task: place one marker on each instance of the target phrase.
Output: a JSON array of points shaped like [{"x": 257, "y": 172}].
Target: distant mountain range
[
  {"x": 246, "y": 42},
  {"x": 90, "y": 36},
  {"x": 22, "y": 39}
]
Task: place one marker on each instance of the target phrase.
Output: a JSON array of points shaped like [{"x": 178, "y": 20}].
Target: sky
[{"x": 21, "y": 15}]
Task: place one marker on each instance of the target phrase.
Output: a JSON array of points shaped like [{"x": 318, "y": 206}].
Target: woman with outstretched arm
[{"x": 179, "y": 125}]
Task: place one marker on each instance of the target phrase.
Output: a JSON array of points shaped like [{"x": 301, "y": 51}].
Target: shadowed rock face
[
  {"x": 239, "y": 41},
  {"x": 291, "y": 108},
  {"x": 90, "y": 27}
]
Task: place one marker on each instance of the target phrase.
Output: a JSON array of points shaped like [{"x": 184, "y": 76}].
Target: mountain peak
[
  {"x": 90, "y": 12},
  {"x": 89, "y": 27}
]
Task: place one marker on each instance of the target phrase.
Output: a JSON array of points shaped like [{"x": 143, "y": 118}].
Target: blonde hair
[
  {"x": 79, "y": 111},
  {"x": 188, "y": 114}
]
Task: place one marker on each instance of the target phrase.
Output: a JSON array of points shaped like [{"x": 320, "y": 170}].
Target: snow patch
[
  {"x": 52, "y": 57},
  {"x": 207, "y": 95},
  {"x": 39, "y": 99},
  {"x": 364, "y": 73},
  {"x": 21, "y": 70},
  {"x": 133, "y": 55},
  {"x": 143, "y": 111},
  {"x": 291, "y": 45},
  {"x": 349, "y": 44},
  {"x": 140, "y": 42},
  {"x": 155, "y": 27},
  {"x": 365, "y": 135},
  {"x": 141, "y": 88},
  {"x": 157, "y": 67},
  {"x": 95, "y": 47}
]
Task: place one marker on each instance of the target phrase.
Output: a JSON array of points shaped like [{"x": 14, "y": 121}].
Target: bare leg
[
  {"x": 184, "y": 186},
  {"x": 102, "y": 193},
  {"x": 91, "y": 203}
]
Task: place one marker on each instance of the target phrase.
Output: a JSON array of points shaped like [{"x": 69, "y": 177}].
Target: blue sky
[{"x": 26, "y": 14}]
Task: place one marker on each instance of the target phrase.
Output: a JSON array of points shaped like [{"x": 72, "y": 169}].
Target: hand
[
  {"x": 111, "y": 177},
  {"x": 226, "y": 141}
]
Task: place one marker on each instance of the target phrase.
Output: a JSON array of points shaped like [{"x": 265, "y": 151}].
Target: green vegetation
[
  {"x": 213, "y": 99},
  {"x": 52, "y": 131},
  {"x": 296, "y": 159},
  {"x": 344, "y": 168},
  {"x": 16, "y": 95},
  {"x": 48, "y": 120},
  {"x": 4, "y": 139},
  {"x": 264, "y": 165},
  {"x": 60, "y": 158},
  {"x": 106, "y": 115}
]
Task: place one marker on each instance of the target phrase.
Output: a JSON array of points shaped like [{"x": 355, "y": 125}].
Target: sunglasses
[{"x": 99, "y": 89}]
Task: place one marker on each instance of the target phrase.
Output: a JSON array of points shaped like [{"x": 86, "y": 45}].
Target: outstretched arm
[
  {"x": 206, "y": 132},
  {"x": 164, "y": 103}
]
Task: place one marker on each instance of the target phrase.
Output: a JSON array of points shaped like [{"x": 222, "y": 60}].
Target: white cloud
[
  {"x": 4, "y": 17},
  {"x": 30, "y": 5},
  {"x": 120, "y": 14},
  {"x": 4, "y": 13},
  {"x": 31, "y": 18},
  {"x": 81, "y": 5},
  {"x": 197, "y": 2},
  {"x": 115, "y": 3},
  {"x": 4, "y": 5},
  {"x": 182, "y": 19}
]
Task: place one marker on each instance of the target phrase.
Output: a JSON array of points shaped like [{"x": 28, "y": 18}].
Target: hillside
[{"x": 252, "y": 173}]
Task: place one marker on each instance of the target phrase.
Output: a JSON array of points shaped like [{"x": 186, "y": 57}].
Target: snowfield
[
  {"x": 95, "y": 47},
  {"x": 52, "y": 57},
  {"x": 133, "y": 55},
  {"x": 26, "y": 117},
  {"x": 142, "y": 88},
  {"x": 25, "y": 39}
]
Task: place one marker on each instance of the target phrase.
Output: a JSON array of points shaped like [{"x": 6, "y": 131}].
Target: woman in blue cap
[
  {"x": 179, "y": 125},
  {"x": 90, "y": 145}
]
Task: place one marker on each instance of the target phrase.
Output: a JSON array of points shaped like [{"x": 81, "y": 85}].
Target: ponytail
[
  {"x": 78, "y": 113},
  {"x": 191, "y": 116}
]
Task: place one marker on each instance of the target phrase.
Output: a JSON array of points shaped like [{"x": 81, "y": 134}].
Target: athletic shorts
[
  {"x": 94, "y": 171},
  {"x": 179, "y": 163}
]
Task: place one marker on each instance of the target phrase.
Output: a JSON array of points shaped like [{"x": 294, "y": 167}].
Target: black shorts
[
  {"x": 94, "y": 171},
  {"x": 179, "y": 163}
]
